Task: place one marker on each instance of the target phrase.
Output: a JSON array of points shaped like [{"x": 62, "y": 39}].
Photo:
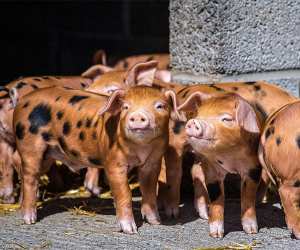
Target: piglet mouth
[
  {"x": 202, "y": 139},
  {"x": 140, "y": 130}
]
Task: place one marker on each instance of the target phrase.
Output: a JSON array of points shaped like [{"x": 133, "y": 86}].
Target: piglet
[
  {"x": 9, "y": 95},
  {"x": 279, "y": 154},
  {"x": 224, "y": 135},
  {"x": 163, "y": 60},
  {"x": 83, "y": 129}
]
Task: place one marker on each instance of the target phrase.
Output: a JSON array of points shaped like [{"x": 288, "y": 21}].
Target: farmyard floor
[{"x": 59, "y": 227}]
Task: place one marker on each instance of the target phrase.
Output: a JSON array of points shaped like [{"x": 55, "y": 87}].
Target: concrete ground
[{"x": 59, "y": 228}]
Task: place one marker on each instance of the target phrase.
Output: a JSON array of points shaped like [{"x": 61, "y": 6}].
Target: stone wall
[{"x": 220, "y": 40}]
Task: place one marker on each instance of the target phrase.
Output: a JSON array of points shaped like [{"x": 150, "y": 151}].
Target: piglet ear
[
  {"x": 95, "y": 71},
  {"x": 163, "y": 75},
  {"x": 14, "y": 97},
  {"x": 246, "y": 116},
  {"x": 175, "y": 114},
  {"x": 100, "y": 57},
  {"x": 114, "y": 103},
  {"x": 141, "y": 74},
  {"x": 193, "y": 101}
]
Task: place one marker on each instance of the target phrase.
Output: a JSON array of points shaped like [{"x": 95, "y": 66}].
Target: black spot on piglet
[
  {"x": 278, "y": 140},
  {"x": 66, "y": 128},
  {"x": 88, "y": 122},
  {"x": 21, "y": 85},
  {"x": 216, "y": 87},
  {"x": 46, "y": 136},
  {"x": 79, "y": 123},
  {"x": 256, "y": 87},
  {"x": 40, "y": 116},
  {"x": 77, "y": 98},
  {"x": 34, "y": 86},
  {"x": 59, "y": 114},
  {"x": 20, "y": 131},
  {"x": 81, "y": 136}
]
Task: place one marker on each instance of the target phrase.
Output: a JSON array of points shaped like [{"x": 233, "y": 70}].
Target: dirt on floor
[{"x": 89, "y": 223}]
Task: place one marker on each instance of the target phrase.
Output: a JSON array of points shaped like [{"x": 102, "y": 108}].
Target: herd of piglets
[{"x": 132, "y": 116}]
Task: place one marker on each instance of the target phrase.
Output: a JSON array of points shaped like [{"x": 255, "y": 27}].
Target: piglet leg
[
  {"x": 215, "y": 188},
  {"x": 30, "y": 174},
  {"x": 6, "y": 182},
  {"x": 6, "y": 173},
  {"x": 116, "y": 173},
  {"x": 171, "y": 198},
  {"x": 91, "y": 181},
  {"x": 201, "y": 195},
  {"x": 148, "y": 177},
  {"x": 263, "y": 187},
  {"x": 248, "y": 197},
  {"x": 290, "y": 197},
  {"x": 216, "y": 208}
]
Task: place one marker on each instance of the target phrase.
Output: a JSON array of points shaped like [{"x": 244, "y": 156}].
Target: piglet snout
[
  {"x": 138, "y": 120},
  {"x": 195, "y": 128}
]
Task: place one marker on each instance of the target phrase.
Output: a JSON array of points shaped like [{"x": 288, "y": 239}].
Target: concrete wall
[{"x": 221, "y": 40}]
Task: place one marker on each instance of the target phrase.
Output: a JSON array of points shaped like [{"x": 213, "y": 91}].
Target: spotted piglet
[
  {"x": 224, "y": 135},
  {"x": 83, "y": 129},
  {"x": 279, "y": 154}
]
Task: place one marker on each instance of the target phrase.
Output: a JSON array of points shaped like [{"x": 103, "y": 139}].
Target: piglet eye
[
  {"x": 227, "y": 119},
  {"x": 111, "y": 89},
  {"x": 125, "y": 106},
  {"x": 159, "y": 105}
]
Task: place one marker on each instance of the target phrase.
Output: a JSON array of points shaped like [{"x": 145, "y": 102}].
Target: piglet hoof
[
  {"x": 29, "y": 216},
  {"x": 250, "y": 226},
  {"x": 90, "y": 186},
  {"x": 6, "y": 194},
  {"x": 202, "y": 210},
  {"x": 151, "y": 217},
  {"x": 127, "y": 226},
  {"x": 216, "y": 229},
  {"x": 8, "y": 200},
  {"x": 172, "y": 211},
  {"x": 296, "y": 234}
]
